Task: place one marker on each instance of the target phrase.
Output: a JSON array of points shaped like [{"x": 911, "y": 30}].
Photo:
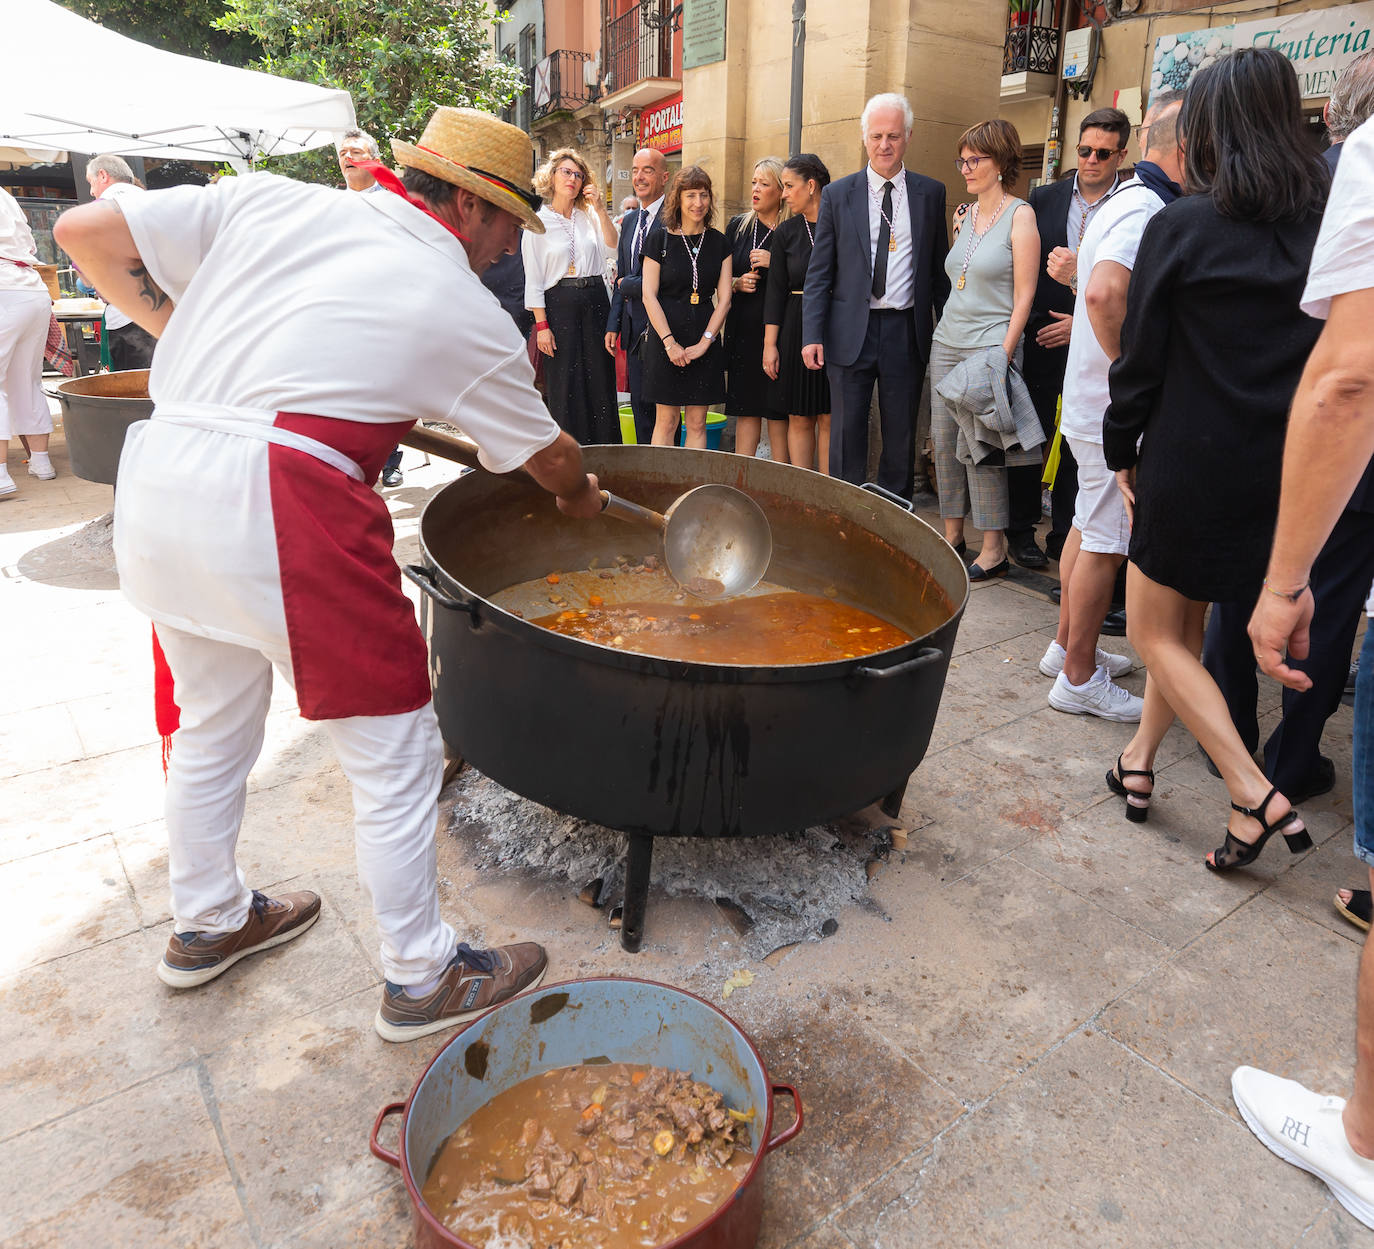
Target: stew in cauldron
[{"x": 617, "y": 1156}]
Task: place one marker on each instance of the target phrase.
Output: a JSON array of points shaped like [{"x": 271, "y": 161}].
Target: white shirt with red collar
[{"x": 306, "y": 317}]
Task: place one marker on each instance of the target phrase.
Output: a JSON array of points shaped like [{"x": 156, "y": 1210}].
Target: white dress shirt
[
  {"x": 901, "y": 280},
  {"x": 643, "y": 225},
  {"x": 564, "y": 243},
  {"x": 114, "y": 319}
]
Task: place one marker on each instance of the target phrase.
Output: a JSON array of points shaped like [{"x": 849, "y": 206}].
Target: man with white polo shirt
[
  {"x": 1330, "y": 442},
  {"x": 247, "y": 528},
  {"x": 1098, "y": 542},
  {"x": 131, "y": 346}
]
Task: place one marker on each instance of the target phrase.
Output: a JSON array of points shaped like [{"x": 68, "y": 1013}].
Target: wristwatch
[{"x": 708, "y": 336}]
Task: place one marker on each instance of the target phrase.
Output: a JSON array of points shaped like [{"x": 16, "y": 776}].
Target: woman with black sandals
[
  {"x": 565, "y": 289},
  {"x": 751, "y": 395},
  {"x": 805, "y": 392},
  {"x": 1212, "y": 347},
  {"x": 687, "y": 297}
]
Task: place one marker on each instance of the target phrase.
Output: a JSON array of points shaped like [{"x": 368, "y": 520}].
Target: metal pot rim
[{"x": 413, "y": 1191}]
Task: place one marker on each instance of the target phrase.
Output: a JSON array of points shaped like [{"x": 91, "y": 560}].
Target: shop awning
[{"x": 71, "y": 85}]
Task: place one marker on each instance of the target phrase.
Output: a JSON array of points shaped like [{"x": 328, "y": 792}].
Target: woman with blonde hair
[
  {"x": 687, "y": 275},
  {"x": 751, "y": 395},
  {"x": 565, "y": 289}
]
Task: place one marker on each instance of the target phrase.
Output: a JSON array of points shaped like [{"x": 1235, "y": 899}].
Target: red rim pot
[{"x": 609, "y": 1018}]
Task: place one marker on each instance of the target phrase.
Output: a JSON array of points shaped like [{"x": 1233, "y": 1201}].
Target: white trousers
[
  {"x": 395, "y": 765},
  {"x": 24, "y": 317}
]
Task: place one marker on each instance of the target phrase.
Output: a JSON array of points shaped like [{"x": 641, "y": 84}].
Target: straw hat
[{"x": 481, "y": 154}]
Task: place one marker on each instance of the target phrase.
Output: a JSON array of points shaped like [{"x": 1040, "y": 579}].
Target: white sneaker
[
  {"x": 1305, "y": 1129},
  {"x": 1052, "y": 664},
  {"x": 7, "y": 485},
  {"x": 40, "y": 466},
  {"x": 1098, "y": 697}
]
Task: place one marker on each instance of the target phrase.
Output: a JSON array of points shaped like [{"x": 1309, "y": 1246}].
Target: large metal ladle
[{"x": 716, "y": 540}]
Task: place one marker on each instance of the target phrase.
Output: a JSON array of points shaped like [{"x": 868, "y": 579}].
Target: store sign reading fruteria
[
  {"x": 1320, "y": 44},
  {"x": 660, "y": 125}
]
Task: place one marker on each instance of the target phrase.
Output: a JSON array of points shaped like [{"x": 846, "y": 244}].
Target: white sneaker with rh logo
[
  {"x": 1052, "y": 662},
  {"x": 1305, "y": 1128},
  {"x": 1098, "y": 696}
]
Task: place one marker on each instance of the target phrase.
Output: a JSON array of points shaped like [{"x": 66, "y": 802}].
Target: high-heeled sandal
[
  {"x": 1236, "y": 853},
  {"x": 1137, "y": 804}
]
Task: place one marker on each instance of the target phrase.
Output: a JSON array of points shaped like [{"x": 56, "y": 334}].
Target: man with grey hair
[
  {"x": 131, "y": 346},
  {"x": 1350, "y": 105},
  {"x": 357, "y": 145},
  {"x": 874, "y": 287}
]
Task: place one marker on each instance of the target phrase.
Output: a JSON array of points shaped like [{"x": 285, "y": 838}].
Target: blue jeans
[{"x": 1362, "y": 761}]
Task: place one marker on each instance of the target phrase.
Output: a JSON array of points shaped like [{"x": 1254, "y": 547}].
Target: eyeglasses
[
  {"x": 967, "y": 164},
  {"x": 1102, "y": 153},
  {"x": 571, "y": 173}
]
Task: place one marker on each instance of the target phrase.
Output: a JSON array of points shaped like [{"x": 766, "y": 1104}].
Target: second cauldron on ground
[{"x": 659, "y": 747}]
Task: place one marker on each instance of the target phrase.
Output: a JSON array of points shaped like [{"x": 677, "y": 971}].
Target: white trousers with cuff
[{"x": 395, "y": 765}]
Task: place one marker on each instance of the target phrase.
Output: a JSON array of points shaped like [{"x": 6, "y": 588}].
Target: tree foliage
[
  {"x": 399, "y": 59},
  {"x": 184, "y": 26}
]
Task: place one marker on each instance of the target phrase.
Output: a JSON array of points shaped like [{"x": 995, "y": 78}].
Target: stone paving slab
[{"x": 1021, "y": 1036}]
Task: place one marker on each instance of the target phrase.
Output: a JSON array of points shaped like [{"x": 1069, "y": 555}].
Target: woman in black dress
[
  {"x": 1212, "y": 348},
  {"x": 805, "y": 392},
  {"x": 686, "y": 267},
  {"x": 751, "y": 396}
]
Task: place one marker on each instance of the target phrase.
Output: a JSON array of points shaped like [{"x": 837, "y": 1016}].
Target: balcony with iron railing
[
  {"x": 639, "y": 53},
  {"x": 558, "y": 84},
  {"x": 1030, "y": 53}
]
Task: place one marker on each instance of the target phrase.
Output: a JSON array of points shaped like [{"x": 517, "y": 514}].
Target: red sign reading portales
[{"x": 660, "y": 125}]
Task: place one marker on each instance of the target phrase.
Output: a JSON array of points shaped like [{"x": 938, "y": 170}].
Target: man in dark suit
[
  {"x": 1063, "y": 210},
  {"x": 874, "y": 287},
  {"x": 627, "y": 320}
]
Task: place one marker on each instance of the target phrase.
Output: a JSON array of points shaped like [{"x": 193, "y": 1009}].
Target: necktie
[
  {"x": 638, "y": 241},
  {"x": 884, "y": 237}
]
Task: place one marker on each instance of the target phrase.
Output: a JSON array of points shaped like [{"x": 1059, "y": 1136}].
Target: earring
[{"x": 999, "y": 177}]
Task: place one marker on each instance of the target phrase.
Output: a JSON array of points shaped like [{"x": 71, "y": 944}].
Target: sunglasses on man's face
[{"x": 1102, "y": 153}]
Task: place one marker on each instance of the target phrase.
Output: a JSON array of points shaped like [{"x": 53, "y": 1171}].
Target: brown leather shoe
[
  {"x": 474, "y": 982},
  {"x": 192, "y": 958}
]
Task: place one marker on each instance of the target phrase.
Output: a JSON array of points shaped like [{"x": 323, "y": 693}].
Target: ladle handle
[
  {"x": 445, "y": 446},
  {"x": 623, "y": 509}
]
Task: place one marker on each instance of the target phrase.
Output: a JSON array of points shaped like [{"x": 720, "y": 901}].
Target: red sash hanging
[{"x": 388, "y": 181}]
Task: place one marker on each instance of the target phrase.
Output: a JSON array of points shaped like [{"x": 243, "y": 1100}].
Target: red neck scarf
[{"x": 390, "y": 182}]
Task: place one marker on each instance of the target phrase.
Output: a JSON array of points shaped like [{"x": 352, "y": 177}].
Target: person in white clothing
[
  {"x": 1100, "y": 537},
  {"x": 1329, "y": 441},
  {"x": 131, "y": 346},
  {"x": 357, "y": 150},
  {"x": 566, "y": 290},
  {"x": 247, "y": 528},
  {"x": 25, "y": 310}
]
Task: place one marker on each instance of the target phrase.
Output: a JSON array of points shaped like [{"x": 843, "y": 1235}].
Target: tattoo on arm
[
  {"x": 149, "y": 289},
  {"x": 114, "y": 204}
]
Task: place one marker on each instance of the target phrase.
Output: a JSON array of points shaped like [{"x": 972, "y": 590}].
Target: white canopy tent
[{"x": 80, "y": 87}]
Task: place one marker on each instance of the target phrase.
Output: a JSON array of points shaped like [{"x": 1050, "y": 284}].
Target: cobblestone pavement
[{"x": 1022, "y": 1036}]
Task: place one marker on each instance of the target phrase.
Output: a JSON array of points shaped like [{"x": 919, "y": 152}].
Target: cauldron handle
[
  {"x": 873, "y": 488},
  {"x": 926, "y": 655},
  {"x": 394, "y": 1159},
  {"x": 787, "y": 1133},
  {"x": 424, "y": 578}
]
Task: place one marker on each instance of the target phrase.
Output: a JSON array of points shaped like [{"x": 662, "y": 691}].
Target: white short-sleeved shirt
[
  {"x": 16, "y": 243},
  {"x": 299, "y": 298},
  {"x": 114, "y": 318},
  {"x": 1113, "y": 233},
  {"x": 1343, "y": 260},
  {"x": 575, "y": 242}
]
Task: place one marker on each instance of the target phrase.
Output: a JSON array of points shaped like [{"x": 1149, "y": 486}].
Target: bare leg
[
  {"x": 1090, "y": 589},
  {"x": 748, "y": 430},
  {"x": 1359, "y": 1110},
  {"x": 994, "y": 549},
  {"x": 665, "y": 425},
  {"x": 779, "y": 445},
  {"x": 695, "y": 419},
  {"x": 36, "y": 442},
  {"x": 1068, "y": 557},
  {"x": 801, "y": 441},
  {"x": 954, "y": 529},
  {"x": 823, "y": 444},
  {"x": 1166, "y": 629}
]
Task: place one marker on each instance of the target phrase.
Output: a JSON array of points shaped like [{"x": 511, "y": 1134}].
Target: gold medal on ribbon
[
  {"x": 696, "y": 299},
  {"x": 572, "y": 271},
  {"x": 959, "y": 285},
  {"x": 891, "y": 242}
]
